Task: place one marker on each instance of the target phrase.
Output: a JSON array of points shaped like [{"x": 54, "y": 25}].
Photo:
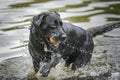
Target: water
[{"x": 16, "y": 15}]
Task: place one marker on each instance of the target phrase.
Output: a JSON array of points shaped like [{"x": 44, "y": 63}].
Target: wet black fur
[
  {"x": 75, "y": 50},
  {"x": 42, "y": 27}
]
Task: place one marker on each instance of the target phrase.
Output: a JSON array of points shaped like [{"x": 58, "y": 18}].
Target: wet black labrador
[{"x": 51, "y": 39}]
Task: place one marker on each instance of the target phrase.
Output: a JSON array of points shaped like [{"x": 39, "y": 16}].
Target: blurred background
[{"x": 16, "y": 16}]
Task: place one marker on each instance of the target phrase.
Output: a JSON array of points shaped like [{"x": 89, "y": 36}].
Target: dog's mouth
[{"x": 53, "y": 41}]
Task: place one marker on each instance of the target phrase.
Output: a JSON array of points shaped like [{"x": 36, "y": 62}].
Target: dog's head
[{"x": 49, "y": 26}]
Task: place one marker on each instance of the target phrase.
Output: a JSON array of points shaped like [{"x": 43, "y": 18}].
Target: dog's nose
[{"x": 63, "y": 36}]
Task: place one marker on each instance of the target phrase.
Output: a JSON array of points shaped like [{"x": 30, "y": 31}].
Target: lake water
[{"x": 16, "y": 15}]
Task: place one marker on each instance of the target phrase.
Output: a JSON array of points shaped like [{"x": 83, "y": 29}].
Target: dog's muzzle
[{"x": 55, "y": 42}]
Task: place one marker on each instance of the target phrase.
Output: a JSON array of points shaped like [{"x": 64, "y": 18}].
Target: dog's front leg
[
  {"x": 32, "y": 73},
  {"x": 51, "y": 60},
  {"x": 36, "y": 65},
  {"x": 55, "y": 59}
]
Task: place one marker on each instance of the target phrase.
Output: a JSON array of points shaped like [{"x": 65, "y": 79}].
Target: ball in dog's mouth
[{"x": 53, "y": 42}]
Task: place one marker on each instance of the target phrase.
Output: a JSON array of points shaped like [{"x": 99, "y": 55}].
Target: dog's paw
[{"x": 45, "y": 69}]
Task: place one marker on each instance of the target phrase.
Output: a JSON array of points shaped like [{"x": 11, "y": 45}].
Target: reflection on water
[
  {"x": 27, "y": 4},
  {"x": 66, "y": 7},
  {"x": 16, "y": 15}
]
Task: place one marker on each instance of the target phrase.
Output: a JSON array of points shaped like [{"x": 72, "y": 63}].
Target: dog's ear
[{"x": 37, "y": 20}]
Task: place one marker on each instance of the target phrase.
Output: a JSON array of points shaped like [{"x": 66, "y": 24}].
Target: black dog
[
  {"x": 51, "y": 39},
  {"x": 46, "y": 32}
]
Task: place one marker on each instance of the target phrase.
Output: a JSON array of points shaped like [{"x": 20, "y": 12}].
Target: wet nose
[{"x": 63, "y": 37}]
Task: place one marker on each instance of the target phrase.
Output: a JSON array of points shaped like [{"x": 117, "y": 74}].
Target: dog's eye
[{"x": 53, "y": 25}]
